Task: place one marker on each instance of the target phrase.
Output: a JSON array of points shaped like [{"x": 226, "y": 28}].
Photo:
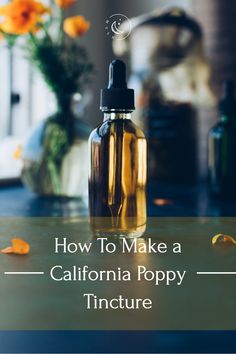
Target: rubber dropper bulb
[{"x": 117, "y": 75}]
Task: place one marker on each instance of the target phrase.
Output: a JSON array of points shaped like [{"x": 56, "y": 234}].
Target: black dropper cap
[
  {"x": 227, "y": 104},
  {"x": 117, "y": 96}
]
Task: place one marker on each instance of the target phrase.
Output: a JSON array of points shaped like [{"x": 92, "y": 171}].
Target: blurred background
[{"x": 176, "y": 68}]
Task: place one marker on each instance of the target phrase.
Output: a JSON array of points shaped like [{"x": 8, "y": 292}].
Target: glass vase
[{"x": 55, "y": 157}]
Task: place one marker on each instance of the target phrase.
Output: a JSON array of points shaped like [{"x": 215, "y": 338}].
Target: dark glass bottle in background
[
  {"x": 222, "y": 147},
  {"x": 118, "y": 164}
]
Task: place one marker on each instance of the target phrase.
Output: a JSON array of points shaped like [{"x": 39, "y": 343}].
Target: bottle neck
[{"x": 116, "y": 115}]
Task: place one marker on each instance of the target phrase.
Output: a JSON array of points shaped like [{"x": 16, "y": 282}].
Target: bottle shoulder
[
  {"x": 113, "y": 125},
  {"x": 223, "y": 128},
  {"x": 219, "y": 127}
]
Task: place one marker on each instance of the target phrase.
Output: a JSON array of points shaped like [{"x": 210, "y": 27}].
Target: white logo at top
[{"x": 114, "y": 26}]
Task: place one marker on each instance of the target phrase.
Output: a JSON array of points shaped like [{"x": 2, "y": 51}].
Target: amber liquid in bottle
[{"x": 117, "y": 178}]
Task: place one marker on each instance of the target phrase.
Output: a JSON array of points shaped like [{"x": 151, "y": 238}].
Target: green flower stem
[
  {"x": 10, "y": 39},
  {"x": 55, "y": 177},
  {"x": 61, "y": 31},
  {"x": 47, "y": 35},
  {"x": 33, "y": 39}
]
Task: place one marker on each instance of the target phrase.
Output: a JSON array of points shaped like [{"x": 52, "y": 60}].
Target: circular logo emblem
[{"x": 114, "y": 27}]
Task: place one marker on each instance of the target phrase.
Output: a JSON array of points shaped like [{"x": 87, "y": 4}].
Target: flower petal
[
  {"x": 221, "y": 238},
  {"x": 76, "y": 26},
  {"x": 19, "y": 246},
  {"x": 21, "y": 16},
  {"x": 65, "y": 3},
  {"x": 7, "y": 250}
]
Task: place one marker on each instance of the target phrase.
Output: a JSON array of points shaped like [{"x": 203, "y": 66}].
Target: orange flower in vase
[
  {"x": 22, "y": 16},
  {"x": 66, "y": 69},
  {"x": 65, "y": 3},
  {"x": 76, "y": 26}
]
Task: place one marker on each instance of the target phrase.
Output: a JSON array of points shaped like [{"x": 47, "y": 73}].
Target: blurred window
[{"x": 24, "y": 101}]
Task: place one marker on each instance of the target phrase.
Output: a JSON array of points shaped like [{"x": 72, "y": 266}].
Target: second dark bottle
[{"x": 222, "y": 147}]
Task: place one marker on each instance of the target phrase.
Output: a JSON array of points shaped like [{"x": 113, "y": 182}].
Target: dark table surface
[
  {"x": 163, "y": 200},
  {"x": 38, "y": 302}
]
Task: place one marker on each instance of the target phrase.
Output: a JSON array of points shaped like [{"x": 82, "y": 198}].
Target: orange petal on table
[
  {"x": 221, "y": 238},
  {"x": 7, "y": 250},
  {"x": 19, "y": 246},
  {"x": 162, "y": 201}
]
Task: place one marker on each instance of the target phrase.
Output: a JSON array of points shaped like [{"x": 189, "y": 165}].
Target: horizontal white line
[
  {"x": 212, "y": 273},
  {"x": 23, "y": 273}
]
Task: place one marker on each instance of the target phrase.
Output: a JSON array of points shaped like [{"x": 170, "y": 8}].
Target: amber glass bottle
[
  {"x": 222, "y": 147},
  {"x": 118, "y": 164}
]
